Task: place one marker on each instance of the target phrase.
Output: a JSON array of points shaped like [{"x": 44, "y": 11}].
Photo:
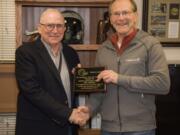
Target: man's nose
[
  {"x": 121, "y": 16},
  {"x": 55, "y": 29}
]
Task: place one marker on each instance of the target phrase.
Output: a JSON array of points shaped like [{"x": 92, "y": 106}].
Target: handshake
[{"x": 80, "y": 115}]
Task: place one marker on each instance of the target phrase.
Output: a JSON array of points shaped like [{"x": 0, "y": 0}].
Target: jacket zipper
[{"x": 119, "y": 116}]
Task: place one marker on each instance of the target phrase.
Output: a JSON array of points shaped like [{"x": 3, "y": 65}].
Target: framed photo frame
[{"x": 161, "y": 18}]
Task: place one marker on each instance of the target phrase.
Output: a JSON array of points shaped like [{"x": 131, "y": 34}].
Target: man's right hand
[{"x": 80, "y": 115}]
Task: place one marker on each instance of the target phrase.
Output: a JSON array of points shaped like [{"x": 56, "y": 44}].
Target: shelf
[
  {"x": 84, "y": 47},
  {"x": 72, "y": 3},
  {"x": 89, "y": 132},
  {"x": 7, "y": 68}
]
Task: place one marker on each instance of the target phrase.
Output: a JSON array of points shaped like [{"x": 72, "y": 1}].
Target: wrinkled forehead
[
  {"x": 121, "y": 5},
  {"x": 52, "y": 16}
]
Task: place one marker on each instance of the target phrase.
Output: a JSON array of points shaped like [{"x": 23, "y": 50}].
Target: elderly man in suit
[{"x": 44, "y": 71}]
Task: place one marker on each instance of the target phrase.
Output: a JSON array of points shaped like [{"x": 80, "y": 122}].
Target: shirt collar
[
  {"x": 49, "y": 48},
  {"x": 125, "y": 42}
]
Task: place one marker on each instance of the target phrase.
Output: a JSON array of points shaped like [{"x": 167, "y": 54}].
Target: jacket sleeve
[
  {"x": 95, "y": 99},
  {"x": 157, "y": 80}
]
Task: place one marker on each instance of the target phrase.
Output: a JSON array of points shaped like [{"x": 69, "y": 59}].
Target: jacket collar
[
  {"x": 125, "y": 42},
  {"x": 47, "y": 59}
]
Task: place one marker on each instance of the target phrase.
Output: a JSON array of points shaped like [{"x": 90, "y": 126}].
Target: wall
[
  {"x": 172, "y": 54},
  {"x": 139, "y": 6}
]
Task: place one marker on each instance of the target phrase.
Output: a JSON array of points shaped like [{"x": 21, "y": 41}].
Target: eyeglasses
[
  {"x": 122, "y": 13},
  {"x": 50, "y": 27}
]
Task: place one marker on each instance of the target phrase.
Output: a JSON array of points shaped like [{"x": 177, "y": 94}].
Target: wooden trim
[
  {"x": 89, "y": 131},
  {"x": 71, "y": 3},
  {"x": 7, "y": 68},
  {"x": 84, "y": 47},
  {"x": 18, "y": 25},
  {"x": 7, "y": 108},
  {"x": 77, "y": 1},
  {"x": 145, "y": 15}
]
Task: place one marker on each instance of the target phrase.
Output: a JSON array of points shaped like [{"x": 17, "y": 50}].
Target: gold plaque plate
[{"x": 85, "y": 80}]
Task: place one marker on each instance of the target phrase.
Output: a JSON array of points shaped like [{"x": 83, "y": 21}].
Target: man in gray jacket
[{"x": 136, "y": 71}]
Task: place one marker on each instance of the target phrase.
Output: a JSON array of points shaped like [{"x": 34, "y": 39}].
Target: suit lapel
[{"x": 47, "y": 60}]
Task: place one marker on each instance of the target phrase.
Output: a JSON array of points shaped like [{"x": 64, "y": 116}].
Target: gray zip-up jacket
[{"x": 143, "y": 73}]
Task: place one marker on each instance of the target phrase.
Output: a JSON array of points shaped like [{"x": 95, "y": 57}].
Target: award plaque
[{"x": 85, "y": 80}]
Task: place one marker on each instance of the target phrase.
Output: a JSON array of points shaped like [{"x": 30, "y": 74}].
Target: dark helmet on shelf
[{"x": 74, "y": 27}]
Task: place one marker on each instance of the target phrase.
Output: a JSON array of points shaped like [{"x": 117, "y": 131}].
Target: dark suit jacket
[{"x": 42, "y": 107}]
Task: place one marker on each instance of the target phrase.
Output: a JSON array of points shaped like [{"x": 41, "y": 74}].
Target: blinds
[
  {"x": 7, "y": 123},
  {"x": 7, "y": 31}
]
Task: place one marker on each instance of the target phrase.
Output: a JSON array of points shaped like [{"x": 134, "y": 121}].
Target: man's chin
[
  {"x": 123, "y": 33},
  {"x": 54, "y": 43}
]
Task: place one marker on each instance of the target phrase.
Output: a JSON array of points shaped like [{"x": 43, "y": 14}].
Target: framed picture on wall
[{"x": 162, "y": 20}]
